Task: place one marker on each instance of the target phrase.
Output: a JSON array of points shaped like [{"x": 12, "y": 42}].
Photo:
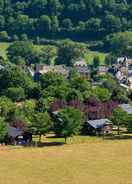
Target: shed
[
  {"x": 98, "y": 127},
  {"x": 17, "y": 134}
]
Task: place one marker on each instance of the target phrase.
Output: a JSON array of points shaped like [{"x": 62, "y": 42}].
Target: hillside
[
  {"x": 82, "y": 19},
  {"x": 3, "y": 49}
]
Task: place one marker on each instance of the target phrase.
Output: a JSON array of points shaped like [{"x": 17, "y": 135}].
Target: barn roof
[
  {"x": 13, "y": 132},
  {"x": 98, "y": 123},
  {"x": 127, "y": 108}
]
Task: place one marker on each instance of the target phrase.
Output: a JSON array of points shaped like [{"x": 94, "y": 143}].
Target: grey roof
[
  {"x": 80, "y": 62},
  {"x": 129, "y": 73},
  {"x": 1, "y": 67},
  {"x": 99, "y": 123},
  {"x": 14, "y": 132},
  {"x": 127, "y": 108},
  {"x": 82, "y": 69}
]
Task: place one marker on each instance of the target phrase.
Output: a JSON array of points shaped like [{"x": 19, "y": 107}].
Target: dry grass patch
[{"x": 107, "y": 162}]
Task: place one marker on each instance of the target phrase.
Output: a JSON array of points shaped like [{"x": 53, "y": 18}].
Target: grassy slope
[
  {"x": 90, "y": 162},
  {"x": 3, "y": 49},
  {"x": 88, "y": 56}
]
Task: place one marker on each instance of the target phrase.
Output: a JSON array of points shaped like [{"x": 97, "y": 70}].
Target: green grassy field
[
  {"x": 88, "y": 162},
  {"x": 3, "y": 49},
  {"x": 88, "y": 56}
]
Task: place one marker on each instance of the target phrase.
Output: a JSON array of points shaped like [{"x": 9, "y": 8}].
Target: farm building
[
  {"x": 98, "y": 127},
  {"x": 17, "y": 134}
]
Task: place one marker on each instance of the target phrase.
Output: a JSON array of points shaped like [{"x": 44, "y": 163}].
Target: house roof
[
  {"x": 127, "y": 108},
  {"x": 80, "y": 62},
  {"x": 98, "y": 123},
  {"x": 121, "y": 59},
  {"x": 42, "y": 68},
  {"x": 102, "y": 68},
  {"x": 13, "y": 132},
  {"x": 83, "y": 70}
]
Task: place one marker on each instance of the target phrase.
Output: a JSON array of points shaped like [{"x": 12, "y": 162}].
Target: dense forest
[{"x": 80, "y": 19}]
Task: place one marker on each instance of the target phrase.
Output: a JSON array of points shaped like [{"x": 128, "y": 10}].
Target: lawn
[
  {"x": 3, "y": 49},
  {"x": 4, "y": 46},
  {"x": 88, "y": 162},
  {"x": 89, "y": 56}
]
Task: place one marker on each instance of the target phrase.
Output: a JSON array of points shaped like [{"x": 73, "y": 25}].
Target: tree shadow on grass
[
  {"x": 36, "y": 145},
  {"x": 118, "y": 137},
  {"x": 48, "y": 144}
]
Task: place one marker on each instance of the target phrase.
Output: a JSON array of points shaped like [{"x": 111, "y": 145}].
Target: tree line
[{"x": 74, "y": 19}]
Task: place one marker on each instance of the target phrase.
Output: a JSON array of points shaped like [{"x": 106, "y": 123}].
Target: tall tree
[
  {"x": 96, "y": 62},
  {"x": 41, "y": 124},
  {"x": 3, "y": 129},
  {"x": 6, "y": 105},
  {"x": 13, "y": 76},
  {"x": 119, "y": 117},
  {"x": 102, "y": 94},
  {"x": 16, "y": 94},
  {"x": 69, "y": 52},
  {"x": 51, "y": 78},
  {"x": 68, "y": 123},
  {"x": 23, "y": 49}
]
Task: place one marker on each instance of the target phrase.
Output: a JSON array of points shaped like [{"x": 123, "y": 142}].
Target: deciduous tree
[{"x": 68, "y": 123}]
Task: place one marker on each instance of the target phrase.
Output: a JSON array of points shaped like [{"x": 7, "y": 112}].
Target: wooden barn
[
  {"x": 98, "y": 127},
  {"x": 17, "y": 133}
]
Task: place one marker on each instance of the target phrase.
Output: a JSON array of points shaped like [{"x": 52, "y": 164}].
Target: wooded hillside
[{"x": 79, "y": 19}]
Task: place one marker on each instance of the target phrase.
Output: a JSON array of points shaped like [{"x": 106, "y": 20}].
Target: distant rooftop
[
  {"x": 127, "y": 108},
  {"x": 98, "y": 123},
  {"x": 80, "y": 62}
]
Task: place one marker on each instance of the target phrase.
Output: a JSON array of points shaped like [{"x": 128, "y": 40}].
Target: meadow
[
  {"x": 3, "y": 49},
  {"x": 89, "y": 55},
  {"x": 83, "y": 160}
]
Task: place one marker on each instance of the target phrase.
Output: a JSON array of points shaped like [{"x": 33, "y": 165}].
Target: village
[
  {"x": 122, "y": 70},
  {"x": 97, "y": 116}
]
